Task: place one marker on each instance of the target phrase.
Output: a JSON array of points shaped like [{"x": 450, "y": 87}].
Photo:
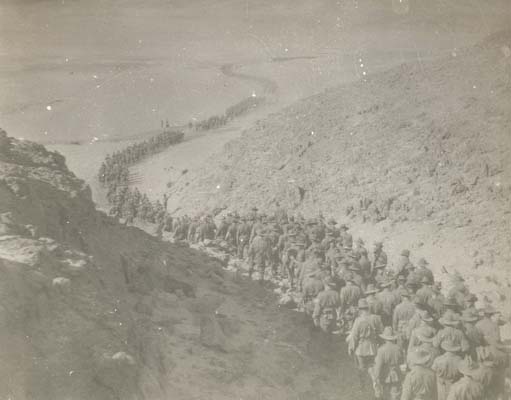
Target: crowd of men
[{"x": 409, "y": 339}]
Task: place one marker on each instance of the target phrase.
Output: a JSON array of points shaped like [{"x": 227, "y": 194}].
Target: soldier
[
  {"x": 486, "y": 373},
  {"x": 273, "y": 241},
  {"x": 379, "y": 274},
  {"x": 294, "y": 257},
  {"x": 416, "y": 319},
  {"x": 379, "y": 257},
  {"x": 231, "y": 235},
  {"x": 425, "y": 338},
  {"x": 389, "y": 302},
  {"x": 500, "y": 357},
  {"x": 401, "y": 286},
  {"x": 451, "y": 331},
  {"x": 365, "y": 265},
  {"x": 259, "y": 225},
  {"x": 425, "y": 329},
  {"x": 489, "y": 328},
  {"x": 169, "y": 223},
  {"x": 451, "y": 308},
  {"x": 331, "y": 257},
  {"x": 467, "y": 388},
  {"x": 425, "y": 293},
  {"x": 446, "y": 368},
  {"x": 404, "y": 266},
  {"x": 403, "y": 312},
  {"x": 223, "y": 226},
  {"x": 386, "y": 373},
  {"x": 314, "y": 263},
  {"x": 420, "y": 382},
  {"x": 422, "y": 271},
  {"x": 359, "y": 247},
  {"x": 349, "y": 297},
  {"x": 475, "y": 338},
  {"x": 242, "y": 237},
  {"x": 375, "y": 305},
  {"x": 280, "y": 213},
  {"x": 312, "y": 286},
  {"x": 331, "y": 231},
  {"x": 346, "y": 238},
  {"x": 258, "y": 254},
  {"x": 253, "y": 214},
  {"x": 458, "y": 291},
  {"x": 325, "y": 310},
  {"x": 437, "y": 300},
  {"x": 363, "y": 338}
]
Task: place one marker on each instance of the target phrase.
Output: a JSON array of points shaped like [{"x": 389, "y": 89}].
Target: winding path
[{"x": 269, "y": 87}]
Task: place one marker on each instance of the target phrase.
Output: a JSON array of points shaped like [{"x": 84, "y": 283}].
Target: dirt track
[{"x": 269, "y": 87}]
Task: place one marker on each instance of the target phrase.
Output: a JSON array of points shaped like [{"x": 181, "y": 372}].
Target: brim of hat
[
  {"x": 453, "y": 349},
  {"x": 427, "y": 319},
  {"x": 425, "y": 339},
  {"x": 371, "y": 291},
  {"x": 448, "y": 322},
  {"x": 470, "y": 319},
  {"x": 420, "y": 361},
  {"x": 466, "y": 371},
  {"x": 384, "y": 337}
]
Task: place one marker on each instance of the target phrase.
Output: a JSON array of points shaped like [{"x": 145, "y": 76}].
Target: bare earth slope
[
  {"x": 422, "y": 151},
  {"x": 90, "y": 309}
]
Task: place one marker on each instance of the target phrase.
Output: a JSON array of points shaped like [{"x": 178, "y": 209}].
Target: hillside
[
  {"x": 418, "y": 156},
  {"x": 91, "y": 309}
]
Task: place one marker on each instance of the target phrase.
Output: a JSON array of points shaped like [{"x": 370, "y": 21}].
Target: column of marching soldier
[{"x": 408, "y": 339}]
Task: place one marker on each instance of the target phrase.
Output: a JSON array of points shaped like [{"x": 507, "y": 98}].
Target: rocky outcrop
[{"x": 91, "y": 309}]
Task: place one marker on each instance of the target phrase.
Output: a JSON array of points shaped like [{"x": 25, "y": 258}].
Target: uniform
[
  {"x": 425, "y": 294},
  {"x": 258, "y": 254},
  {"x": 387, "y": 371},
  {"x": 466, "y": 389},
  {"x": 423, "y": 272},
  {"x": 242, "y": 237},
  {"x": 388, "y": 301},
  {"x": 311, "y": 289},
  {"x": 325, "y": 310},
  {"x": 379, "y": 258},
  {"x": 363, "y": 339},
  {"x": 475, "y": 338},
  {"x": 404, "y": 265},
  {"x": 422, "y": 330},
  {"x": 419, "y": 384},
  {"x": 375, "y": 305},
  {"x": 446, "y": 369},
  {"x": 403, "y": 312},
  {"x": 453, "y": 334}
]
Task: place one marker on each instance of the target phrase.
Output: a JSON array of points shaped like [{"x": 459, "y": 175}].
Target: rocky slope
[
  {"x": 418, "y": 156},
  {"x": 91, "y": 309}
]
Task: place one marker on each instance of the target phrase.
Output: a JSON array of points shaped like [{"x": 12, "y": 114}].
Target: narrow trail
[
  {"x": 269, "y": 87},
  {"x": 320, "y": 363}
]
